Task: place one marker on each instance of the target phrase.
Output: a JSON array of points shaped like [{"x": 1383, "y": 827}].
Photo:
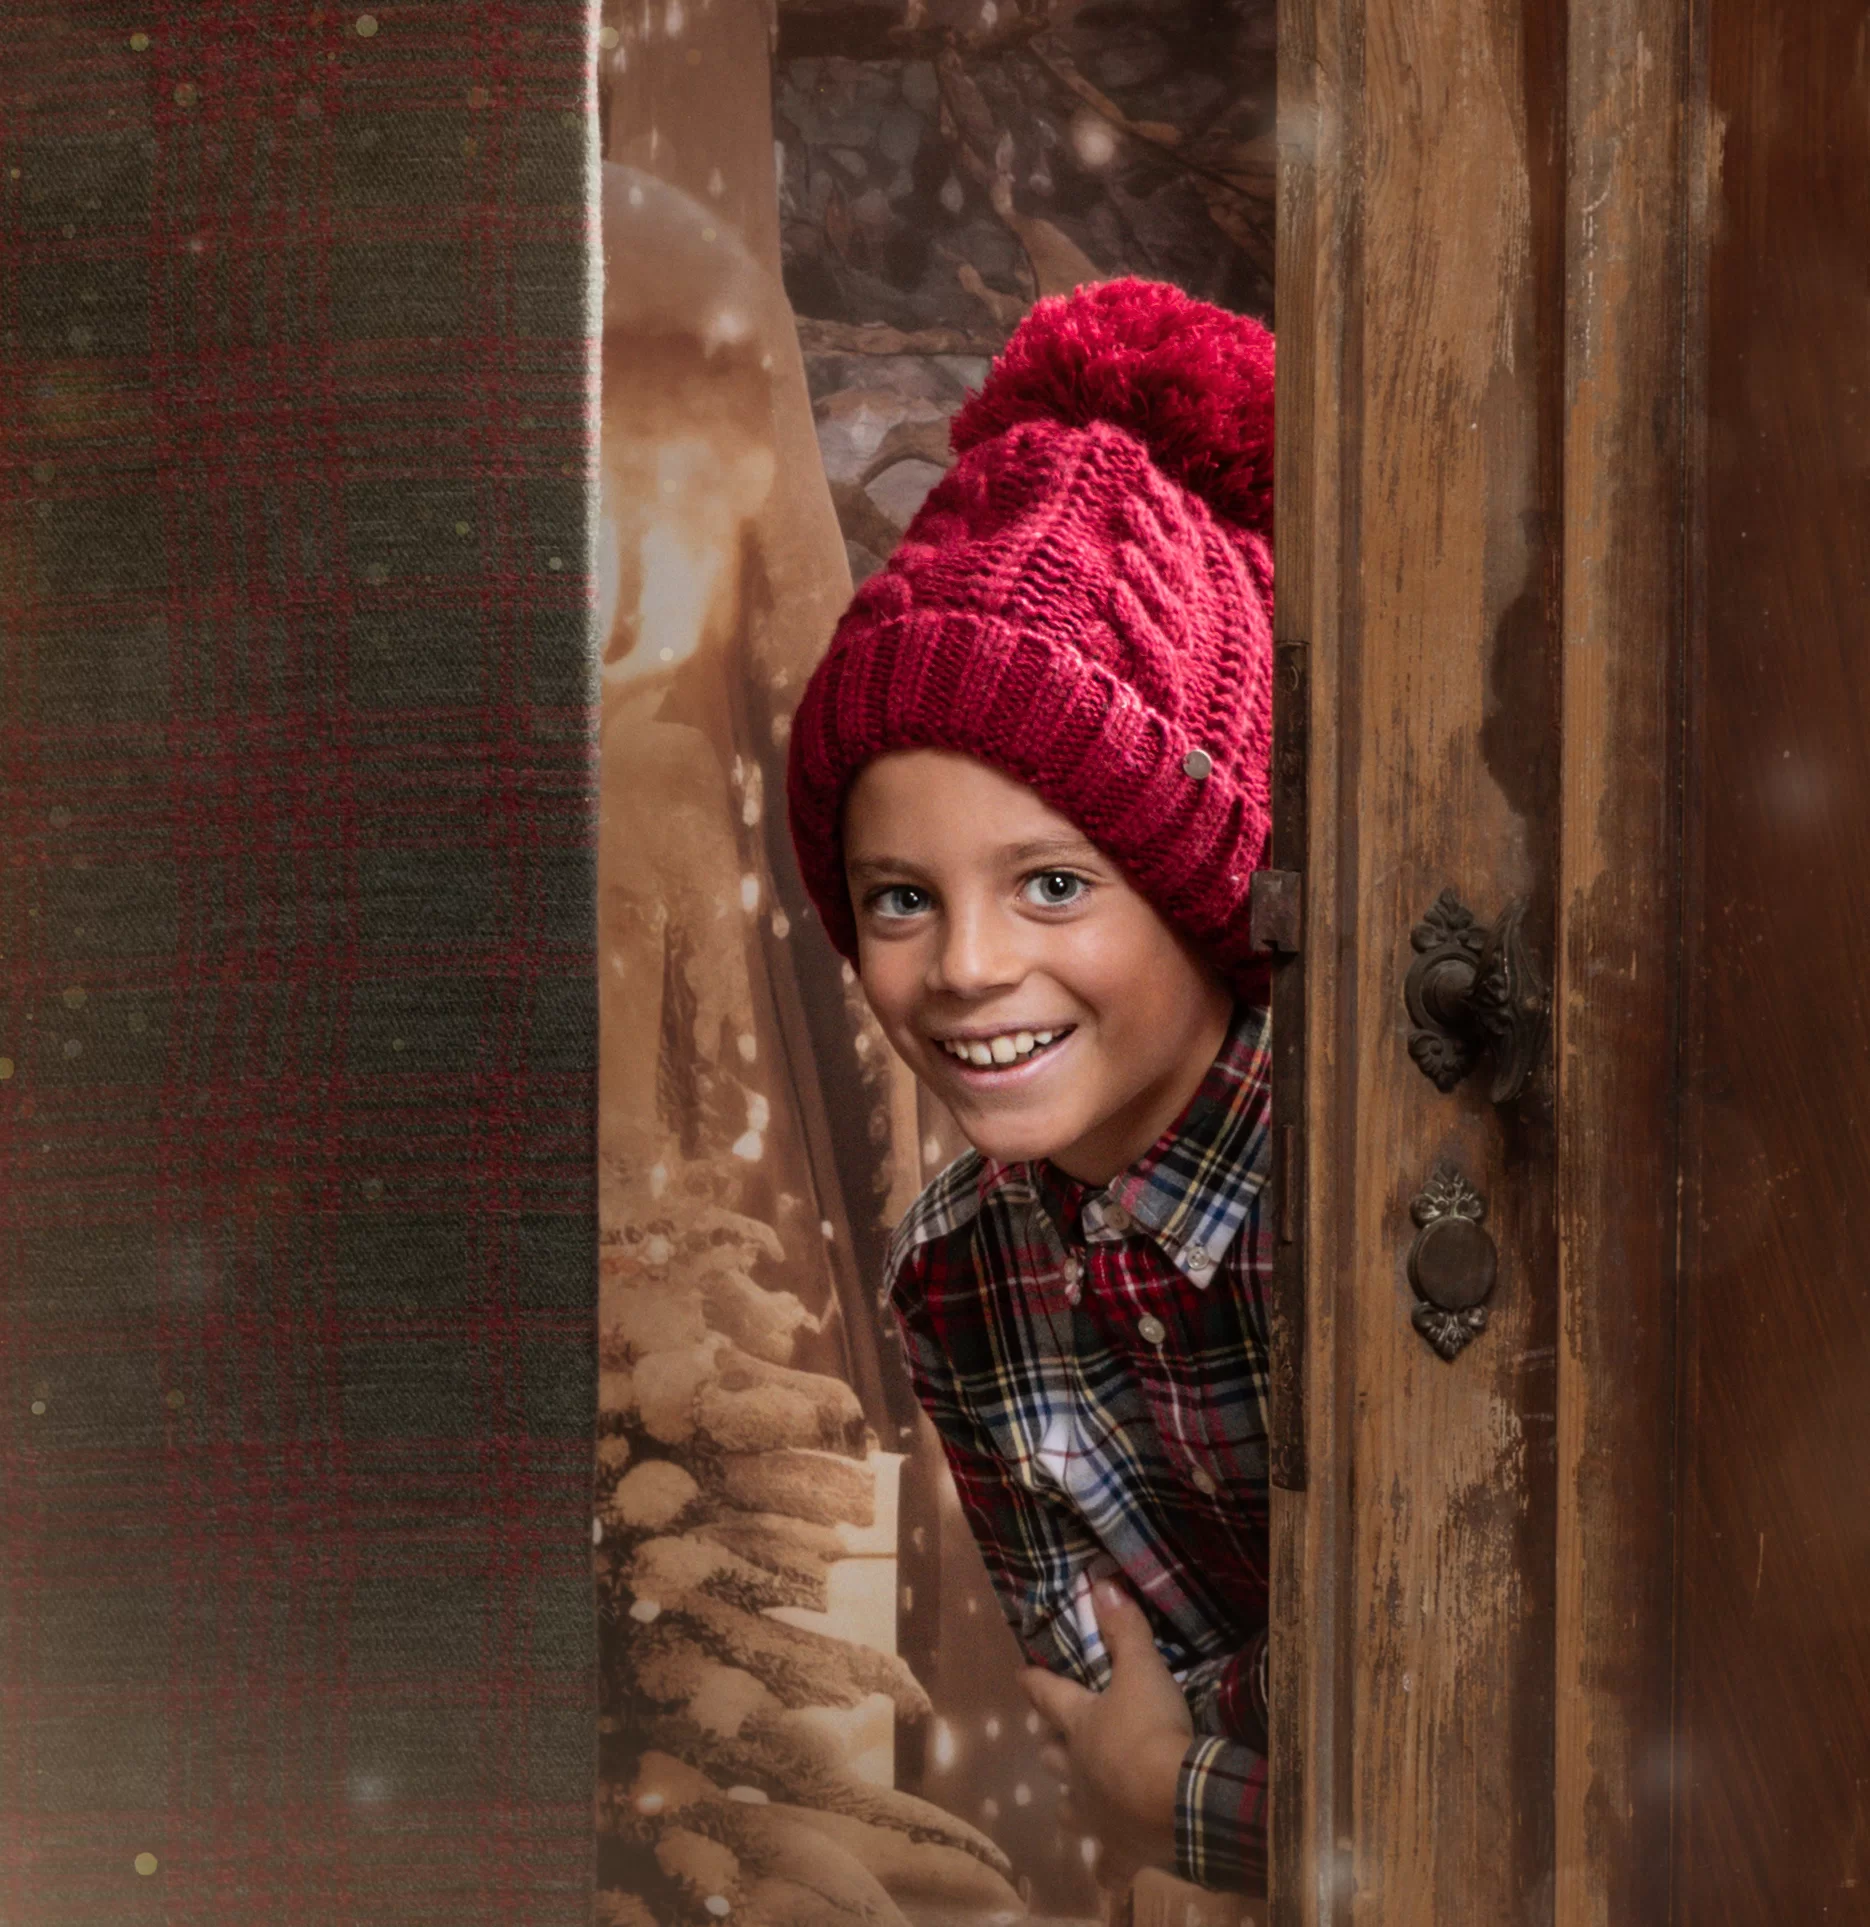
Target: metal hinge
[{"x": 1275, "y": 911}]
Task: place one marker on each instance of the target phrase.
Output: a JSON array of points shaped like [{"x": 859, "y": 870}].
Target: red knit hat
[{"x": 1084, "y": 602}]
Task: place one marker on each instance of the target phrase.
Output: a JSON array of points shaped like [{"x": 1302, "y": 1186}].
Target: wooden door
[{"x": 1575, "y": 431}]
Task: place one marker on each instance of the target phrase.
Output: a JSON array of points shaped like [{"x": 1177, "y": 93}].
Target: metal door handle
[
  {"x": 1452, "y": 1264},
  {"x": 1473, "y": 990}
]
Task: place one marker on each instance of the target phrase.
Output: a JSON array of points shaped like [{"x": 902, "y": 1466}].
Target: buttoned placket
[{"x": 1117, "y": 1220}]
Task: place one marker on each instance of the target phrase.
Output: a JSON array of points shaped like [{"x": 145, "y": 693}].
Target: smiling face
[{"x": 1016, "y": 970}]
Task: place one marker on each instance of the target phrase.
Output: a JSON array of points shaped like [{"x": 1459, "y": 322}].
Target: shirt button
[
  {"x": 1203, "y": 1481},
  {"x": 1199, "y": 1258},
  {"x": 1117, "y": 1218},
  {"x": 1073, "y": 1271},
  {"x": 1153, "y": 1329}
]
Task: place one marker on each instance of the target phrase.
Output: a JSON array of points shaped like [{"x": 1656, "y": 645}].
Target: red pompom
[{"x": 1191, "y": 381}]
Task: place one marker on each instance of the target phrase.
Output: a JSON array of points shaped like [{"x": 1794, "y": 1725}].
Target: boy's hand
[{"x": 1120, "y": 1751}]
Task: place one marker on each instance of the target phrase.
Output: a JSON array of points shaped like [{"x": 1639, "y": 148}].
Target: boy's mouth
[{"x": 1006, "y": 1051}]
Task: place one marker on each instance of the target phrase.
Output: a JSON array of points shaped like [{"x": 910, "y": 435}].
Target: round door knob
[{"x": 1453, "y": 1263}]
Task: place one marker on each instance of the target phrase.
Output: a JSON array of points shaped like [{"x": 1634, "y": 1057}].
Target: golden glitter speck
[
  {"x": 74, "y": 996},
  {"x": 555, "y": 562},
  {"x": 709, "y": 234},
  {"x": 186, "y": 94},
  {"x": 38, "y": 1408},
  {"x": 145, "y": 1863},
  {"x": 366, "y": 25},
  {"x": 469, "y": 145},
  {"x": 607, "y": 37},
  {"x": 175, "y": 1400},
  {"x": 73, "y": 1047},
  {"x": 461, "y": 528},
  {"x": 6, "y": 1069},
  {"x": 139, "y": 43},
  {"x": 694, "y": 56},
  {"x": 478, "y": 96}
]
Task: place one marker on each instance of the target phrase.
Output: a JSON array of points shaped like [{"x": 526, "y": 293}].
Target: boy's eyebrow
[
  {"x": 1061, "y": 845},
  {"x": 862, "y": 869}
]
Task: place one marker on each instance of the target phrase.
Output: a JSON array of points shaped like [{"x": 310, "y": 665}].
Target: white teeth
[{"x": 1008, "y": 1048}]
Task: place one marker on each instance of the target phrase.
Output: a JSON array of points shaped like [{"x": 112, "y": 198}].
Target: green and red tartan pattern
[{"x": 297, "y": 964}]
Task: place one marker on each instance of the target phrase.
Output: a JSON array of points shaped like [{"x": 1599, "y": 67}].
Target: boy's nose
[{"x": 977, "y": 951}]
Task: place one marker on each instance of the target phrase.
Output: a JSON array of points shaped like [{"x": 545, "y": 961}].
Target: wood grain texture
[
  {"x": 1454, "y": 1533},
  {"x": 1774, "y": 1684},
  {"x": 1309, "y": 1705},
  {"x": 1618, "y": 945},
  {"x": 1605, "y": 353},
  {"x": 1429, "y": 572}
]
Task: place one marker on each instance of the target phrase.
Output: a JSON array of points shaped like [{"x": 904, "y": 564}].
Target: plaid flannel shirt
[{"x": 1094, "y": 1359}]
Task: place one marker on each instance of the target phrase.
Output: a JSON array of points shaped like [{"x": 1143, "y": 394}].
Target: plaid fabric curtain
[{"x": 297, "y": 1026}]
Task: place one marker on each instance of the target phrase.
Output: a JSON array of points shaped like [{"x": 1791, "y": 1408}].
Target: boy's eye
[
  {"x": 1056, "y": 888},
  {"x": 900, "y": 900}
]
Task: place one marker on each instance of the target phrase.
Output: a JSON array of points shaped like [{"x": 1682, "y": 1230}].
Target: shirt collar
[{"x": 1193, "y": 1188}]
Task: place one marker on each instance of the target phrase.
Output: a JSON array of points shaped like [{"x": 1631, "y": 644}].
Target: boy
[{"x": 1028, "y": 789}]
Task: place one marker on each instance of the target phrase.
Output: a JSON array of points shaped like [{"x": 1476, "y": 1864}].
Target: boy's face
[{"x": 985, "y": 922}]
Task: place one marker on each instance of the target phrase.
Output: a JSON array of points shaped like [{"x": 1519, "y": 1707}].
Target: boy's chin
[{"x": 1011, "y": 1141}]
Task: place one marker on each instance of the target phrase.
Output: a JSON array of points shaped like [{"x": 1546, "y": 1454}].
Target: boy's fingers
[
  {"x": 1123, "y": 1624},
  {"x": 1054, "y": 1699}
]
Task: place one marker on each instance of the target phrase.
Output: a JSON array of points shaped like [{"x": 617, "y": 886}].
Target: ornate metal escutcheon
[
  {"x": 1472, "y": 990},
  {"x": 1452, "y": 1264}
]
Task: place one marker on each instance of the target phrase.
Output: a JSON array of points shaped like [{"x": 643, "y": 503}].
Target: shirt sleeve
[
  {"x": 1227, "y": 1695},
  {"x": 1220, "y": 1816},
  {"x": 1220, "y": 1794}
]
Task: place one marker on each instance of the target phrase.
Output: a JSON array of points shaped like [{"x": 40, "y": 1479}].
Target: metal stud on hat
[{"x": 1198, "y": 764}]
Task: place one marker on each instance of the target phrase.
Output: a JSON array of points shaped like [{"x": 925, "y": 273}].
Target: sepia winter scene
[{"x": 819, "y": 225}]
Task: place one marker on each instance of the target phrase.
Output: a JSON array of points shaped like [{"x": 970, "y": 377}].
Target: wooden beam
[
  {"x": 1619, "y": 922},
  {"x": 1420, "y": 290}
]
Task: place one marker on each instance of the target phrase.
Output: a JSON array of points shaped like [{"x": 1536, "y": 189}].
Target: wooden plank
[
  {"x": 1429, "y": 578},
  {"x": 1773, "y": 1628},
  {"x": 1619, "y": 933},
  {"x": 1309, "y": 1708}
]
